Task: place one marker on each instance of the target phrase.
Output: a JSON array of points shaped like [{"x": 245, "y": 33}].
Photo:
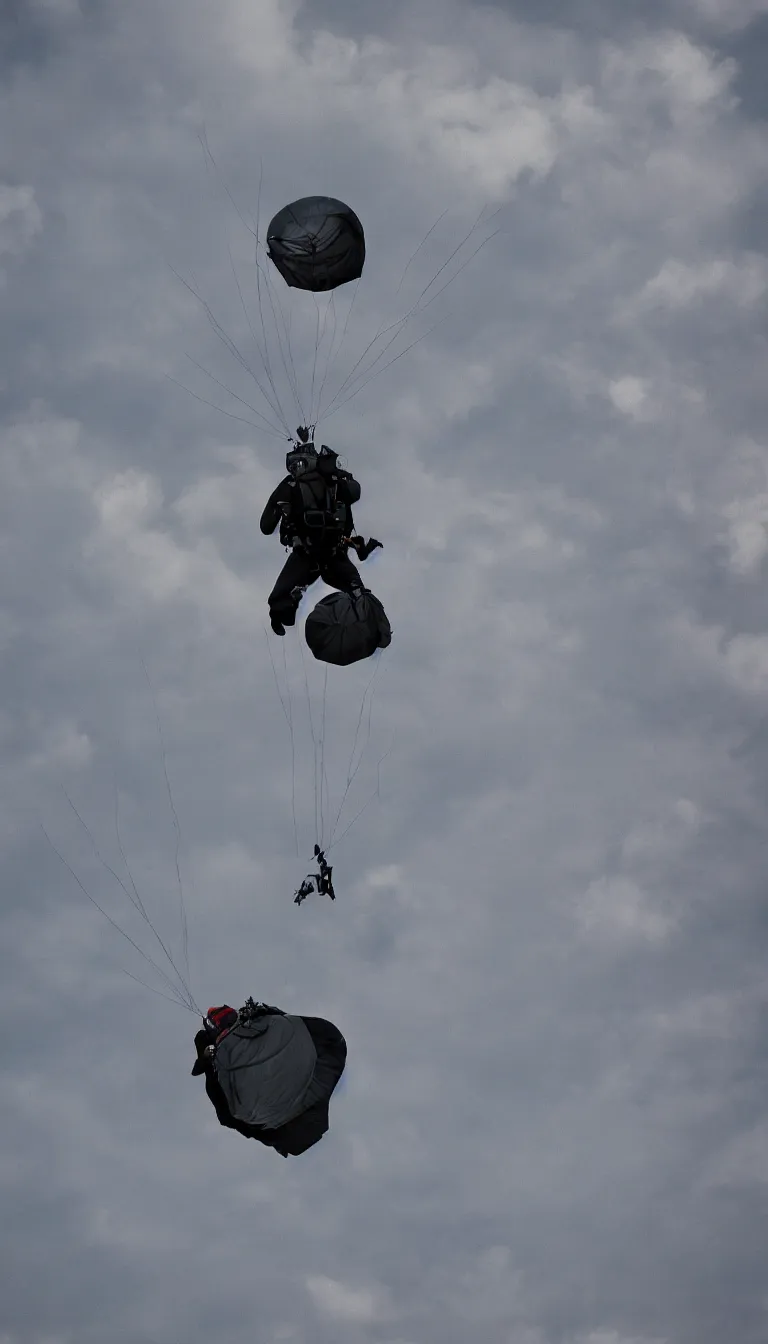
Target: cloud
[
  {"x": 340, "y": 1301},
  {"x": 547, "y": 952},
  {"x": 679, "y": 286},
  {"x": 617, "y": 909}
]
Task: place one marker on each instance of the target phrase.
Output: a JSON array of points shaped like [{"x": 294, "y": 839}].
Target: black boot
[{"x": 277, "y": 625}]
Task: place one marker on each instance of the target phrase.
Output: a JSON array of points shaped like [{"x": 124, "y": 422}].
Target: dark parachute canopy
[
  {"x": 344, "y": 629},
  {"x": 316, "y": 243}
]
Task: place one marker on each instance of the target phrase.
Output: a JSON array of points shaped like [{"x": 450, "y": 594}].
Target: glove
[{"x": 365, "y": 547}]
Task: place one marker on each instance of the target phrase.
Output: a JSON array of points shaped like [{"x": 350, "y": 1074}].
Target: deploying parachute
[
  {"x": 344, "y": 628},
  {"x": 270, "y": 1075},
  {"x": 316, "y": 243}
]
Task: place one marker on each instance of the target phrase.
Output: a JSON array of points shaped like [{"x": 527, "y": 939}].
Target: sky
[{"x": 547, "y": 798}]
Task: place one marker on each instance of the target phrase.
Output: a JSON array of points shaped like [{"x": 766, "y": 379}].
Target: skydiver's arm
[
  {"x": 273, "y": 511},
  {"x": 349, "y": 488}
]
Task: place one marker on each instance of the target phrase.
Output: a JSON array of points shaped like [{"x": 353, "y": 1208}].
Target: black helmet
[{"x": 301, "y": 459}]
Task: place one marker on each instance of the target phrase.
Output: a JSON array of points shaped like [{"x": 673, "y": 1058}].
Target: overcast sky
[{"x": 548, "y": 950}]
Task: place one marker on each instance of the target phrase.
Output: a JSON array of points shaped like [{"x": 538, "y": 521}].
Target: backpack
[{"x": 319, "y": 518}]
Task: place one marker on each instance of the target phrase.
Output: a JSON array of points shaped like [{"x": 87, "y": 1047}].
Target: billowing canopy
[
  {"x": 316, "y": 243},
  {"x": 342, "y": 629}
]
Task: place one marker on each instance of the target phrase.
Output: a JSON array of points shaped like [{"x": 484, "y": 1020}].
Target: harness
[{"x": 318, "y": 516}]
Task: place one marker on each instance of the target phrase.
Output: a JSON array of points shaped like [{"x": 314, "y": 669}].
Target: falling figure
[{"x": 321, "y": 882}]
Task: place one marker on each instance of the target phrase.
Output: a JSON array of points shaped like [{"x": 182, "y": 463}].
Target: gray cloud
[{"x": 547, "y": 954}]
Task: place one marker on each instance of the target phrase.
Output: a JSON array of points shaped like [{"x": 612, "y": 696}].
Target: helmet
[{"x": 301, "y": 459}]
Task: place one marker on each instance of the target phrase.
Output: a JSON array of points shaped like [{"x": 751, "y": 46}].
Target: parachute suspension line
[
  {"x": 230, "y": 346},
  {"x": 367, "y": 375},
  {"x": 290, "y": 373},
  {"x": 371, "y": 376},
  {"x": 293, "y": 752},
  {"x": 137, "y": 904},
  {"x": 254, "y": 337},
  {"x": 323, "y": 775},
  {"x": 242, "y": 419},
  {"x": 236, "y": 397},
  {"x": 314, "y": 357},
  {"x": 330, "y": 309},
  {"x": 167, "y": 997},
  {"x": 383, "y": 328},
  {"x": 266, "y": 359},
  {"x": 288, "y": 712},
  {"x": 207, "y": 152},
  {"x": 185, "y": 999},
  {"x": 253, "y": 231},
  {"x": 462, "y": 267},
  {"x": 315, "y": 748},
  {"x": 177, "y": 827},
  {"x": 414, "y": 255},
  {"x": 449, "y": 259},
  {"x": 398, "y": 325},
  {"x": 352, "y": 769},
  {"x": 333, "y": 355},
  {"x": 286, "y": 320},
  {"x": 376, "y": 794}
]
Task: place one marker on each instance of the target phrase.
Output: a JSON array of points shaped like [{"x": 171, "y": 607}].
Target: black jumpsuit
[{"x": 311, "y": 561}]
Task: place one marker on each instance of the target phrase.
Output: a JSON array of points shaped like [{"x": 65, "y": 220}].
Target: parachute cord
[
  {"x": 352, "y": 772},
  {"x": 287, "y": 328},
  {"x": 266, "y": 359},
  {"x": 203, "y": 138},
  {"x": 254, "y": 232},
  {"x": 456, "y": 249},
  {"x": 368, "y": 375},
  {"x": 414, "y": 255},
  {"x": 376, "y": 794},
  {"x": 186, "y": 1006},
  {"x": 290, "y": 374},
  {"x": 399, "y": 323},
  {"x": 314, "y": 359},
  {"x": 333, "y": 356},
  {"x": 323, "y": 776},
  {"x": 177, "y": 827},
  {"x": 186, "y": 999},
  {"x": 275, "y": 429},
  {"x": 137, "y": 904},
  {"x": 288, "y": 712},
  {"x": 314, "y": 746},
  {"x": 255, "y": 341},
  {"x": 293, "y": 753},
  {"x": 233, "y": 349},
  {"x": 330, "y": 308},
  {"x": 243, "y": 420},
  {"x": 371, "y": 376}
]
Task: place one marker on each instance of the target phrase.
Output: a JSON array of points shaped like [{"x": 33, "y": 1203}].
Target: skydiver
[
  {"x": 321, "y": 882},
  {"x": 270, "y": 1075},
  {"x": 313, "y": 505},
  {"x": 325, "y": 876}
]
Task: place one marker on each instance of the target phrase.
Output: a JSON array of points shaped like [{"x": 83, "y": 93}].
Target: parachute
[
  {"x": 344, "y": 629},
  {"x": 316, "y": 243}
]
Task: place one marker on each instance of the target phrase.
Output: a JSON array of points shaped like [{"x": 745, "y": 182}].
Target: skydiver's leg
[
  {"x": 339, "y": 572},
  {"x": 299, "y": 571}
]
